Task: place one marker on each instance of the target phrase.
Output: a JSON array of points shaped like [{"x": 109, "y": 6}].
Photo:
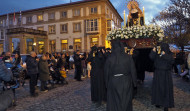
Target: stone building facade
[{"x": 71, "y": 26}]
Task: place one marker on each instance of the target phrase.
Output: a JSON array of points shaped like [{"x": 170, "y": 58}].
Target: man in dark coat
[
  {"x": 98, "y": 88},
  {"x": 5, "y": 75},
  {"x": 43, "y": 72},
  {"x": 32, "y": 71},
  {"x": 162, "y": 89},
  {"x": 78, "y": 66},
  {"x": 120, "y": 76}
]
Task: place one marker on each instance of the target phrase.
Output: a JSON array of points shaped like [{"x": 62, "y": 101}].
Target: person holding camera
[
  {"x": 5, "y": 75},
  {"x": 162, "y": 89},
  {"x": 32, "y": 71}
]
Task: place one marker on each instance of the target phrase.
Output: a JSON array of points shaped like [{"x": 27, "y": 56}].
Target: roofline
[
  {"x": 66, "y": 4},
  {"x": 115, "y": 10},
  {"x": 48, "y": 7}
]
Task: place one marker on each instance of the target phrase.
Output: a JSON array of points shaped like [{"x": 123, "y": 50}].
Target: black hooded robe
[
  {"x": 120, "y": 76},
  {"x": 162, "y": 87},
  {"x": 98, "y": 88}
]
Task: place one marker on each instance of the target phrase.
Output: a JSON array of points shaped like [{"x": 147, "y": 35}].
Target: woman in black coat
[
  {"x": 120, "y": 76},
  {"x": 162, "y": 89},
  {"x": 43, "y": 72},
  {"x": 17, "y": 59}
]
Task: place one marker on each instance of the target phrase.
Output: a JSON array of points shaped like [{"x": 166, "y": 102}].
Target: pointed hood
[
  {"x": 166, "y": 48},
  {"x": 117, "y": 49}
]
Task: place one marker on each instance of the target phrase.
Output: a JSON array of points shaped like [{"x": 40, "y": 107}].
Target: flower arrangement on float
[{"x": 151, "y": 31}]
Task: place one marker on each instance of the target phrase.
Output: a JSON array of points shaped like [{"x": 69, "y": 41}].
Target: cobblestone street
[{"x": 76, "y": 97}]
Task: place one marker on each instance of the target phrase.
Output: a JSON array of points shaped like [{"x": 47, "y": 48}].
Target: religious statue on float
[{"x": 136, "y": 17}]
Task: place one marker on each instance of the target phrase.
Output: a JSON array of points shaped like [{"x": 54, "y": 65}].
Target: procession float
[
  {"x": 135, "y": 33},
  {"x": 139, "y": 37}
]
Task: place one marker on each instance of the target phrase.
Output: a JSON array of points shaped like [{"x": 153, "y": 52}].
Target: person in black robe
[
  {"x": 108, "y": 52},
  {"x": 67, "y": 56},
  {"x": 98, "y": 88},
  {"x": 100, "y": 61},
  {"x": 162, "y": 89},
  {"x": 93, "y": 74},
  {"x": 120, "y": 76},
  {"x": 78, "y": 66}
]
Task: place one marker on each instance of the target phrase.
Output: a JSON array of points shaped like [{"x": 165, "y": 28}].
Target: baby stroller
[{"x": 56, "y": 76}]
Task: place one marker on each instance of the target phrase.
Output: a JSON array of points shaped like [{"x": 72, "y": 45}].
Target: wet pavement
[{"x": 76, "y": 97}]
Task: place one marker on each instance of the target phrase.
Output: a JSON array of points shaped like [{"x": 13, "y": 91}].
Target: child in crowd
[{"x": 89, "y": 67}]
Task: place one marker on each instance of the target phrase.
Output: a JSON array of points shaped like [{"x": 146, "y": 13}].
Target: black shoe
[
  {"x": 165, "y": 109},
  {"x": 34, "y": 95},
  {"x": 66, "y": 83},
  {"x": 157, "y": 106}
]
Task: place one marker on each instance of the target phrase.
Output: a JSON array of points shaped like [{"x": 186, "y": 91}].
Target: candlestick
[
  {"x": 124, "y": 20},
  {"x": 127, "y": 21},
  {"x": 143, "y": 16}
]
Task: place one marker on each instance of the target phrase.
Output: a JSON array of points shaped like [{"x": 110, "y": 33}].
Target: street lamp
[{"x": 34, "y": 44}]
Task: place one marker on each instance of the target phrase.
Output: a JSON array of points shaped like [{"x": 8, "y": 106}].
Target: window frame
[
  {"x": 1, "y": 22},
  {"x": 19, "y": 20},
  {"x": 62, "y": 14},
  {"x": 90, "y": 28},
  {"x": 93, "y": 10},
  {"x": 74, "y": 12},
  {"x": 107, "y": 25},
  {"x": 67, "y": 47},
  {"x": 40, "y": 27},
  {"x": 2, "y": 35},
  {"x": 92, "y": 43},
  {"x": 38, "y": 18},
  {"x": 51, "y": 45},
  {"x": 27, "y": 19},
  {"x": 49, "y": 16},
  {"x": 49, "y": 29},
  {"x": 77, "y": 43},
  {"x": 75, "y": 23},
  {"x": 61, "y": 27}
]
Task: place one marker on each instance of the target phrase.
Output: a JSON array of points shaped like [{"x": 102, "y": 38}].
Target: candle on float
[
  {"x": 143, "y": 16},
  {"x": 127, "y": 21},
  {"x": 124, "y": 20}
]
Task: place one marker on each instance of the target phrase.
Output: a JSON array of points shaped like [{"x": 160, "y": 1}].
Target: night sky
[{"x": 152, "y": 7}]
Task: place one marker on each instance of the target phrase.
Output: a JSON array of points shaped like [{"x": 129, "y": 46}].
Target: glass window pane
[
  {"x": 95, "y": 10},
  {"x": 64, "y": 41},
  {"x": 77, "y": 40}
]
